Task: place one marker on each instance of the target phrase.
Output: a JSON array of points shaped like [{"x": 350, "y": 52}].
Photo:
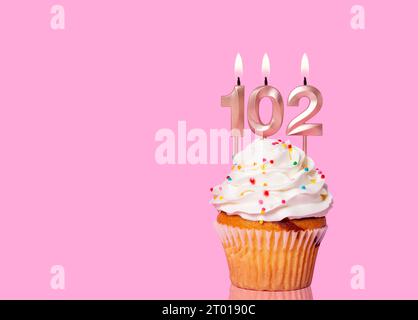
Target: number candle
[
  {"x": 235, "y": 100},
  {"x": 298, "y": 125},
  {"x": 266, "y": 91}
]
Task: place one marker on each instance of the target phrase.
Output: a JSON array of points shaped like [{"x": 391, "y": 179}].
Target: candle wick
[
  {"x": 265, "y": 81},
  {"x": 238, "y": 81},
  {"x": 305, "y": 82}
]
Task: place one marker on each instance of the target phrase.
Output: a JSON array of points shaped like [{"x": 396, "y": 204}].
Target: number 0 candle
[
  {"x": 266, "y": 91},
  {"x": 235, "y": 100}
]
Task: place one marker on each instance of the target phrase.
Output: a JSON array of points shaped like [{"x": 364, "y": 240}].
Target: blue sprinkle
[
  {"x": 303, "y": 187},
  {"x": 306, "y": 169}
]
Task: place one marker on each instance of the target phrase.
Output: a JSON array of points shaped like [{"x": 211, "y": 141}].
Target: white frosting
[{"x": 272, "y": 180}]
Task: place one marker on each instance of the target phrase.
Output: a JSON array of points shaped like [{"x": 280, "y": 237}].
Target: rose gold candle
[
  {"x": 266, "y": 91},
  {"x": 298, "y": 125},
  {"x": 235, "y": 101}
]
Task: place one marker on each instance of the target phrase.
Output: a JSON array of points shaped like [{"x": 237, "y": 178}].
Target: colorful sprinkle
[
  {"x": 271, "y": 161},
  {"x": 274, "y": 143},
  {"x": 239, "y": 167},
  {"x": 263, "y": 166},
  {"x": 283, "y": 201},
  {"x": 214, "y": 197},
  {"x": 220, "y": 188},
  {"x": 254, "y": 163},
  {"x": 221, "y": 198},
  {"x": 295, "y": 163},
  {"x": 252, "y": 180},
  {"x": 229, "y": 178},
  {"x": 313, "y": 181},
  {"x": 289, "y": 146},
  {"x": 260, "y": 201},
  {"x": 323, "y": 176},
  {"x": 211, "y": 189},
  {"x": 265, "y": 184},
  {"x": 266, "y": 193},
  {"x": 261, "y": 221},
  {"x": 306, "y": 169},
  {"x": 263, "y": 172},
  {"x": 303, "y": 187},
  {"x": 263, "y": 210},
  {"x": 264, "y": 159}
]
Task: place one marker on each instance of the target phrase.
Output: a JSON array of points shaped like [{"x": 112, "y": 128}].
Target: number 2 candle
[{"x": 298, "y": 125}]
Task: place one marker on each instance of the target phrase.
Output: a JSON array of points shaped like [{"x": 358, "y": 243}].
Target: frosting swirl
[{"x": 272, "y": 180}]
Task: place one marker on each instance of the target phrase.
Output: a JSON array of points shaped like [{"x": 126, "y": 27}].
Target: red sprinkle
[
  {"x": 289, "y": 146},
  {"x": 266, "y": 193},
  {"x": 283, "y": 201},
  {"x": 263, "y": 209},
  {"x": 280, "y": 140},
  {"x": 211, "y": 189},
  {"x": 323, "y": 176},
  {"x": 271, "y": 161},
  {"x": 260, "y": 201},
  {"x": 264, "y": 159},
  {"x": 252, "y": 180}
]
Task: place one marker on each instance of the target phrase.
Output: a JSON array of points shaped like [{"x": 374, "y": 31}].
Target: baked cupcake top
[{"x": 271, "y": 180}]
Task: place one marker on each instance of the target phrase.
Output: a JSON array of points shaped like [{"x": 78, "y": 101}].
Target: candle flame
[
  {"x": 238, "y": 66},
  {"x": 265, "y": 66},
  {"x": 304, "y": 66}
]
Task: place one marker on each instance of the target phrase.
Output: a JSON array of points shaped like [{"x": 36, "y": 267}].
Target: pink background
[{"x": 79, "y": 109}]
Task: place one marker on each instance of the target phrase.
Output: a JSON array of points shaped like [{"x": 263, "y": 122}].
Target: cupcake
[{"x": 271, "y": 216}]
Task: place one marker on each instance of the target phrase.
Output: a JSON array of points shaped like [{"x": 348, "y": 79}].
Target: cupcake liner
[
  {"x": 270, "y": 260},
  {"x": 236, "y": 293}
]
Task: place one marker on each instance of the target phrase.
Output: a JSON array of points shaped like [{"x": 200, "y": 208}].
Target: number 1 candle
[{"x": 235, "y": 100}]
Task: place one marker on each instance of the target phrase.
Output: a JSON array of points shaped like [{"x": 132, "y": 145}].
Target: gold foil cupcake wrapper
[{"x": 270, "y": 260}]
